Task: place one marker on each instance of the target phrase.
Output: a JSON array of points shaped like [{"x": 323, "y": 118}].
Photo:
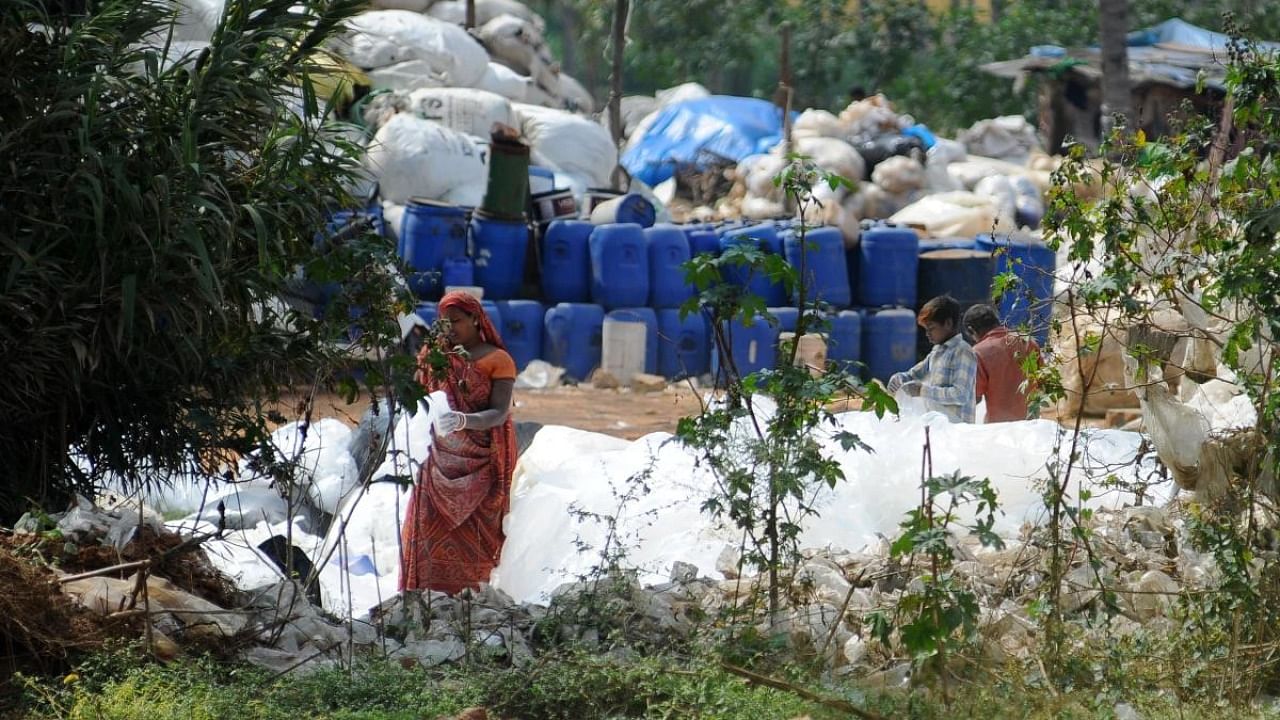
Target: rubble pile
[{"x": 1143, "y": 558}]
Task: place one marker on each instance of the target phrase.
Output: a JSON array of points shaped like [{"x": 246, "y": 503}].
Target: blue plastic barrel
[
  {"x": 427, "y": 311},
  {"x": 628, "y": 208},
  {"x": 566, "y": 261},
  {"x": 572, "y": 338},
  {"x": 947, "y": 243},
  {"x": 1030, "y": 304},
  {"x": 650, "y": 319},
  {"x": 668, "y": 252},
  {"x": 826, "y": 277},
  {"x": 494, "y": 312},
  {"x": 499, "y": 251},
  {"x": 844, "y": 339},
  {"x": 963, "y": 274},
  {"x": 889, "y": 342},
  {"x": 521, "y": 329},
  {"x": 619, "y": 266},
  {"x": 458, "y": 272},
  {"x": 684, "y": 345},
  {"x": 787, "y": 317},
  {"x": 754, "y": 346},
  {"x": 703, "y": 240},
  {"x": 764, "y": 236},
  {"x": 341, "y": 219},
  {"x": 887, "y": 260},
  {"x": 429, "y": 233}
]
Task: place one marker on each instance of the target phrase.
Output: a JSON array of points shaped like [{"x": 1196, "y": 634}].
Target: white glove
[
  {"x": 895, "y": 382},
  {"x": 450, "y": 422},
  {"x": 912, "y": 388}
]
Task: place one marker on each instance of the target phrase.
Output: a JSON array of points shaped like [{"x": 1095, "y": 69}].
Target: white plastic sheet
[{"x": 569, "y": 481}]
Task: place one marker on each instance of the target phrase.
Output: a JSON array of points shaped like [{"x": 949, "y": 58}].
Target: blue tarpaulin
[
  {"x": 687, "y": 133},
  {"x": 1179, "y": 32}
]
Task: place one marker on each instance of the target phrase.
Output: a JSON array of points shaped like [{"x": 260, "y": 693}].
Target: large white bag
[
  {"x": 412, "y": 157},
  {"x": 455, "y": 11},
  {"x": 502, "y": 80},
  {"x": 833, "y": 155},
  {"x": 568, "y": 143},
  {"x": 950, "y": 214},
  {"x": 444, "y": 52},
  {"x": 575, "y": 97},
  {"x": 520, "y": 45},
  {"x": 463, "y": 109}
]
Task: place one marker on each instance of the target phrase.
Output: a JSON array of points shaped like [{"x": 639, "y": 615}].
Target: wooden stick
[
  {"x": 104, "y": 571},
  {"x": 833, "y": 703}
]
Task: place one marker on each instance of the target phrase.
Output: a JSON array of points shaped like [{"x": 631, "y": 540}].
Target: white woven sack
[{"x": 412, "y": 157}]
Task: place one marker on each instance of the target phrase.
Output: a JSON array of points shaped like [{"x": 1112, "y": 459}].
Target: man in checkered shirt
[{"x": 945, "y": 378}]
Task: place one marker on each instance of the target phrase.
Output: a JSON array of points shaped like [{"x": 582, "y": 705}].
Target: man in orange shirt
[{"x": 1000, "y": 354}]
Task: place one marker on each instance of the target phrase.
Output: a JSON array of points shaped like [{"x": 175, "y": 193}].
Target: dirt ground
[{"x": 621, "y": 413}]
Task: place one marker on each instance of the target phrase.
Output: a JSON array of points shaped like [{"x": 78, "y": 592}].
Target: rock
[
  {"x": 728, "y": 561},
  {"x": 683, "y": 572},
  {"x": 1149, "y": 539},
  {"x": 1147, "y": 517},
  {"x": 604, "y": 380},
  {"x": 429, "y": 653},
  {"x": 1154, "y": 593},
  {"x": 1125, "y": 711},
  {"x": 644, "y": 382},
  {"x": 827, "y": 580},
  {"x": 1007, "y": 637},
  {"x": 890, "y": 678},
  {"x": 163, "y": 646}
]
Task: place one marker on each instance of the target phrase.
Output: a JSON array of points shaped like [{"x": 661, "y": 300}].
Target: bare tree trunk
[
  {"x": 471, "y": 14},
  {"x": 784, "y": 101},
  {"x": 1113, "y": 21},
  {"x": 615, "y": 93}
]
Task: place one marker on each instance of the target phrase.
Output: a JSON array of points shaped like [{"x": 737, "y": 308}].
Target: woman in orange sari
[{"x": 453, "y": 530}]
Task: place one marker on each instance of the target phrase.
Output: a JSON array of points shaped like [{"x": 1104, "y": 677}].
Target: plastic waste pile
[
  {"x": 346, "y": 531},
  {"x": 685, "y": 565}
]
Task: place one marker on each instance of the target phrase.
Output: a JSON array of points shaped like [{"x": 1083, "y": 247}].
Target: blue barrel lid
[
  {"x": 947, "y": 243},
  {"x": 435, "y": 206},
  {"x": 988, "y": 240}
]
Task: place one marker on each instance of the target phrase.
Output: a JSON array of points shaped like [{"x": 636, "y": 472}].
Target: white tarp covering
[{"x": 655, "y": 489}]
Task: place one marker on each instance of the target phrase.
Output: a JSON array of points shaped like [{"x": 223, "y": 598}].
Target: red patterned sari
[{"x": 453, "y": 530}]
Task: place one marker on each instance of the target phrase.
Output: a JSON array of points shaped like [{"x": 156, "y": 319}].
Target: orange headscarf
[
  {"x": 434, "y": 377},
  {"x": 469, "y": 304}
]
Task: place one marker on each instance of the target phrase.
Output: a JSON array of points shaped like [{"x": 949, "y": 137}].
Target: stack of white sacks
[
  {"x": 444, "y": 88},
  {"x": 448, "y": 87}
]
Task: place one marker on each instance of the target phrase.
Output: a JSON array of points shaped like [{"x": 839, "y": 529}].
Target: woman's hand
[{"x": 450, "y": 422}]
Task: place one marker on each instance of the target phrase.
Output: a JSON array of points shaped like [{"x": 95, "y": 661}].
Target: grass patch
[{"x": 123, "y": 686}]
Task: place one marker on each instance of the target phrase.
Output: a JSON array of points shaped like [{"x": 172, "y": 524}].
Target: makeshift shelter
[{"x": 1167, "y": 64}]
